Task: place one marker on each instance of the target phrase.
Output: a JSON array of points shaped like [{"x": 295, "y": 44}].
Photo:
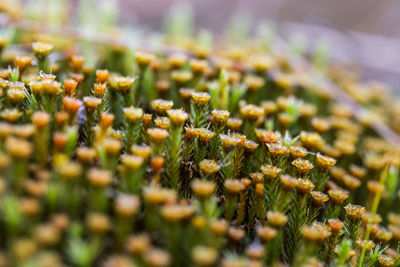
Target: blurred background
[{"x": 364, "y": 33}]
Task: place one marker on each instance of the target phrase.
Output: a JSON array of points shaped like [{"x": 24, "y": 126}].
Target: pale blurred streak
[{"x": 365, "y": 32}]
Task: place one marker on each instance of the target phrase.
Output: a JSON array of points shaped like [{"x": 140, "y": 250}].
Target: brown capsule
[
  {"x": 186, "y": 93},
  {"x": 253, "y": 82},
  {"x": 106, "y": 120},
  {"x": 285, "y": 119},
  {"x": 383, "y": 235},
  {"x": 298, "y": 152},
  {"x": 147, "y": 118},
  {"x": 357, "y": 171},
  {"x": 198, "y": 66},
  {"x": 266, "y": 233},
  {"x": 101, "y": 76},
  {"x": 60, "y": 140},
  {"x": 325, "y": 162},
  {"x": 368, "y": 245},
  {"x": 229, "y": 141},
  {"x": 288, "y": 182},
  {"x": 117, "y": 260},
  {"x": 335, "y": 225},
  {"x": 350, "y": 182},
  {"x": 203, "y": 188},
  {"x": 219, "y": 227},
  {"x": 86, "y": 154},
  {"x": 191, "y": 133},
  {"x": 250, "y": 146},
  {"x": 267, "y": 136},
  {"x": 18, "y": 148},
  {"x": 5, "y": 73},
  {"x": 338, "y": 195},
  {"x": 157, "y": 195},
  {"x": 204, "y": 256},
  {"x": 61, "y": 118},
  {"x": 22, "y": 62},
  {"x": 157, "y": 163},
  {"x": 122, "y": 84},
  {"x": 77, "y": 61},
  {"x": 200, "y": 98},
  {"x": 40, "y": 119},
  {"x": 209, "y": 166},
  {"x": 60, "y": 221},
  {"x": 112, "y": 146},
  {"x": 163, "y": 86},
  {"x": 23, "y": 248},
  {"x": 269, "y": 107},
  {"x": 394, "y": 218},
  {"x": 69, "y": 170},
  {"x": 91, "y": 103},
  {"x": 311, "y": 140},
  {"x": 11, "y": 115},
  {"x": 161, "y": 106},
  {"x": 354, "y": 212},
  {"x": 220, "y": 116},
  {"x": 50, "y": 87},
  {"x": 46, "y": 234},
  {"x": 138, "y": 244},
  {"x": 302, "y": 165},
  {"x": 181, "y": 77},
  {"x": 319, "y": 198},
  {"x": 99, "y": 89},
  {"x": 4, "y": 161},
  {"x": 386, "y": 261},
  {"x": 177, "y": 116},
  {"x": 98, "y": 223},
  {"x": 320, "y": 125},
  {"x": 234, "y": 123},
  {"x": 236, "y": 234},
  {"x": 375, "y": 187},
  {"x": 199, "y": 222},
  {"x": 317, "y": 232},
  {"x": 33, "y": 188},
  {"x": 330, "y": 151},
  {"x": 127, "y": 205},
  {"x": 71, "y": 105},
  {"x": 3, "y": 84},
  {"x": 131, "y": 162},
  {"x": 162, "y": 122},
  {"x": 337, "y": 173},
  {"x": 30, "y": 206},
  {"x": 144, "y": 58},
  {"x": 15, "y": 96},
  {"x": 176, "y": 61},
  {"x": 276, "y": 219},
  {"x": 395, "y": 230},
  {"x": 42, "y": 49},
  {"x": 70, "y": 87},
  {"x": 5, "y": 130},
  {"x": 257, "y": 177},
  {"x": 157, "y": 258},
  {"x": 251, "y": 111},
  {"x": 157, "y": 134},
  {"x": 270, "y": 171},
  {"x": 304, "y": 186},
  {"x": 205, "y": 135},
  {"x": 99, "y": 178},
  {"x": 233, "y": 186},
  {"x": 175, "y": 212}
]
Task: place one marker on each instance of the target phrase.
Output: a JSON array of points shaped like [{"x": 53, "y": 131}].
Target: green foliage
[{"x": 81, "y": 252}]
